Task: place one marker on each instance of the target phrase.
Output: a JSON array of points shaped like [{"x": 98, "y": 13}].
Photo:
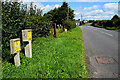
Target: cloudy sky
[{"x": 89, "y": 9}]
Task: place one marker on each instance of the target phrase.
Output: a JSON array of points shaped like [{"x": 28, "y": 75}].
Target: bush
[
  {"x": 107, "y": 23},
  {"x": 69, "y": 24},
  {"x": 112, "y": 24},
  {"x": 13, "y": 24},
  {"x": 40, "y": 27},
  {"x": 93, "y": 23}
]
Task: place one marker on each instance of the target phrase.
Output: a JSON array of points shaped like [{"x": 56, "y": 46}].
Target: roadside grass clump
[{"x": 61, "y": 57}]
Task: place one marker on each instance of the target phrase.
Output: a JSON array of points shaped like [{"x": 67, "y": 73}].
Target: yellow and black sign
[
  {"x": 29, "y": 35},
  {"x": 17, "y": 46}
]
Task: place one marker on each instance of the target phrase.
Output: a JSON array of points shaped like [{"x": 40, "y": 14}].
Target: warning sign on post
[
  {"x": 29, "y": 35},
  {"x": 17, "y": 45},
  {"x": 15, "y": 48}
]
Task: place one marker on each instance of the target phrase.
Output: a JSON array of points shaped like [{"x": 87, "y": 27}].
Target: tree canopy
[
  {"x": 115, "y": 17},
  {"x": 60, "y": 14}
]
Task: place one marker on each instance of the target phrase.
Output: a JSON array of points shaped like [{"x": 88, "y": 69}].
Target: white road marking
[
  {"x": 107, "y": 33},
  {"x": 102, "y": 31}
]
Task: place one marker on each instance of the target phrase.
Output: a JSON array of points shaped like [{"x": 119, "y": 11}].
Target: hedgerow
[
  {"x": 16, "y": 17},
  {"x": 114, "y": 23}
]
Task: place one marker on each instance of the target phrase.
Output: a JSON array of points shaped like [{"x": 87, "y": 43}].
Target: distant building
[
  {"x": 85, "y": 21},
  {"x": 77, "y": 22}
]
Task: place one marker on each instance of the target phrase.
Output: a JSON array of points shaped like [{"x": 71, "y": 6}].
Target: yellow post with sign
[
  {"x": 65, "y": 30},
  {"x": 17, "y": 45},
  {"x": 27, "y": 37},
  {"x": 15, "y": 49}
]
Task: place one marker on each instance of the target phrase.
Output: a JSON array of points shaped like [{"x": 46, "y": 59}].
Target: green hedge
[
  {"x": 15, "y": 18},
  {"x": 108, "y": 24}
]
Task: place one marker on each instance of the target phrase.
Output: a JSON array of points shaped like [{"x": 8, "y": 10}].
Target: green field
[{"x": 61, "y": 57}]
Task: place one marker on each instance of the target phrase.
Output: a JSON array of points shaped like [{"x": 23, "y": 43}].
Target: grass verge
[{"x": 61, "y": 57}]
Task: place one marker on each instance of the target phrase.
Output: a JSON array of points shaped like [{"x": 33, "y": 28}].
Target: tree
[
  {"x": 59, "y": 15},
  {"x": 115, "y": 17},
  {"x": 31, "y": 9}
]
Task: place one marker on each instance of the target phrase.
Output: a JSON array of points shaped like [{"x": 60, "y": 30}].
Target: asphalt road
[{"x": 100, "y": 43}]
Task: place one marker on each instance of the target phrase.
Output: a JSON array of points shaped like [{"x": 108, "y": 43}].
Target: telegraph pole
[
  {"x": 68, "y": 14},
  {"x": 81, "y": 17}
]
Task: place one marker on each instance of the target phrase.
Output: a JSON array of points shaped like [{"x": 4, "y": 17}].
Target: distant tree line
[{"x": 114, "y": 23}]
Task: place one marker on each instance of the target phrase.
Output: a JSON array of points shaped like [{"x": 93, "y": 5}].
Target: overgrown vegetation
[
  {"x": 61, "y": 57},
  {"x": 69, "y": 24},
  {"x": 113, "y": 24},
  {"x": 16, "y": 17}
]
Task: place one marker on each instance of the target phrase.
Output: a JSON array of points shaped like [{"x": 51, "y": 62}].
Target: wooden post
[
  {"x": 17, "y": 59},
  {"x": 28, "y": 50},
  {"x": 15, "y": 48},
  {"x": 52, "y": 30},
  {"x": 27, "y": 36},
  {"x": 55, "y": 34}
]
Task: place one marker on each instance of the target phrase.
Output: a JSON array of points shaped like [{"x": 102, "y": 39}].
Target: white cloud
[
  {"x": 44, "y": 8},
  {"x": 50, "y": 7},
  {"x": 94, "y": 12},
  {"x": 57, "y": 5},
  {"x": 88, "y": 0},
  {"x": 100, "y": 17},
  {"x": 91, "y": 8},
  {"x": 68, "y": 0},
  {"x": 71, "y": 0},
  {"x": 97, "y": 12},
  {"x": 111, "y": 7},
  {"x": 76, "y": 13}
]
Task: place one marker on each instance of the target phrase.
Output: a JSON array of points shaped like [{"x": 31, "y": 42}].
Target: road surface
[{"x": 99, "y": 42}]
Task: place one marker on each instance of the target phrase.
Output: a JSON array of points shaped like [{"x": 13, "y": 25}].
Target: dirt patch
[
  {"x": 105, "y": 60},
  {"x": 116, "y": 75}
]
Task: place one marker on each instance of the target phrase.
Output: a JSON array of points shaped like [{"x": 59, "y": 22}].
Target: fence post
[
  {"x": 27, "y": 37},
  {"x": 15, "y": 48},
  {"x": 55, "y": 33}
]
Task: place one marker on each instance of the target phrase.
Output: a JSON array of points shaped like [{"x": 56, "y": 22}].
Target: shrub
[
  {"x": 107, "y": 23},
  {"x": 93, "y": 23},
  {"x": 13, "y": 24},
  {"x": 69, "y": 24}
]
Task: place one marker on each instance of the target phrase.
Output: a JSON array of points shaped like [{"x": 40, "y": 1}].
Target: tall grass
[{"x": 61, "y": 57}]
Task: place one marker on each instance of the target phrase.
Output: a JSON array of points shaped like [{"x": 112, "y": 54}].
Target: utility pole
[{"x": 81, "y": 17}]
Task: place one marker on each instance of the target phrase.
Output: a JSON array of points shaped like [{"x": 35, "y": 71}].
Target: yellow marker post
[
  {"x": 15, "y": 48},
  {"x": 17, "y": 45},
  {"x": 65, "y": 30},
  {"x": 27, "y": 37}
]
